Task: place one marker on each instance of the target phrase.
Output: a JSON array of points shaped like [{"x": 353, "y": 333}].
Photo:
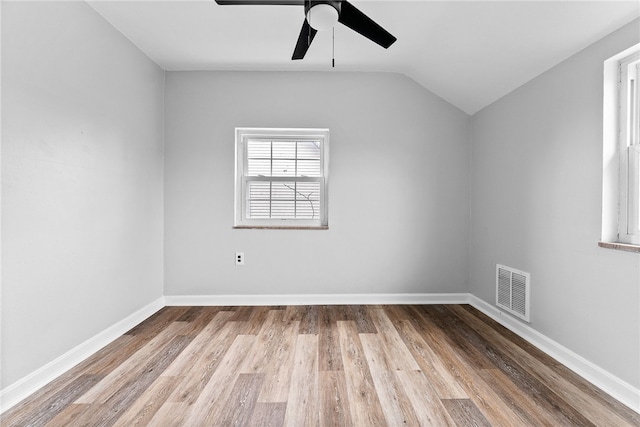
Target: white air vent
[{"x": 512, "y": 291}]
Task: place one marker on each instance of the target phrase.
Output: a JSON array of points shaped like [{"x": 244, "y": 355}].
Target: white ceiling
[{"x": 470, "y": 53}]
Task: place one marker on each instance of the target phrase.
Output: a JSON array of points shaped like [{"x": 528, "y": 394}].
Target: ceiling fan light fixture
[{"x": 322, "y": 16}]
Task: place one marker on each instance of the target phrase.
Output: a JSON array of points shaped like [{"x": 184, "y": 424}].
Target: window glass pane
[
  {"x": 634, "y": 103},
  {"x": 258, "y": 167},
  {"x": 284, "y": 150},
  {"x": 309, "y": 150},
  {"x": 258, "y": 209},
  {"x": 307, "y": 200},
  {"x": 283, "y": 209},
  {"x": 257, "y": 149},
  {"x": 283, "y": 190},
  {"x": 307, "y": 210},
  {"x": 637, "y": 208},
  {"x": 308, "y": 168},
  {"x": 308, "y": 191},
  {"x": 259, "y": 190},
  {"x": 634, "y": 190},
  {"x": 284, "y": 167}
]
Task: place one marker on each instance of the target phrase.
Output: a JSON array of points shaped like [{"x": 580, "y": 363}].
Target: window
[
  {"x": 281, "y": 178},
  {"x": 620, "y": 154},
  {"x": 629, "y": 146}
]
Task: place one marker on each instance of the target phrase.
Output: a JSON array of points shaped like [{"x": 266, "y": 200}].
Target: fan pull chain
[{"x": 333, "y": 47}]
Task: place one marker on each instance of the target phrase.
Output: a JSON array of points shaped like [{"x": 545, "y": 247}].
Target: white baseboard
[
  {"x": 24, "y": 387},
  {"x": 609, "y": 383},
  {"x": 612, "y": 385},
  {"x": 316, "y": 299}
]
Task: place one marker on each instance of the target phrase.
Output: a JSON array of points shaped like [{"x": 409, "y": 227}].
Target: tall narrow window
[
  {"x": 629, "y": 131},
  {"x": 281, "y": 177}
]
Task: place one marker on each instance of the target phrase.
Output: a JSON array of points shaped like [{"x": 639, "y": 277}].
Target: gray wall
[
  {"x": 82, "y": 190},
  {"x": 536, "y": 191},
  {"x": 81, "y": 181},
  {"x": 398, "y": 195}
]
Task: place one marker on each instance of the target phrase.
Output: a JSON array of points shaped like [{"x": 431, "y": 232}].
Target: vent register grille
[
  {"x": 512, "y": 291},
  {"x": 284, "y": 187}
]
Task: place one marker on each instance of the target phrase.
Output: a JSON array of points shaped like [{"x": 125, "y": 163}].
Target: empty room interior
[{"x": 407, "y": 213}]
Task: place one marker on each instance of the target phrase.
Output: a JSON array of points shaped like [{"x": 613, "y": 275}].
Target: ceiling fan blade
[
  {"x": 304, "y": 40},
  {"x": 261, "y": 2},
  {"x": 351, "y": 17}
]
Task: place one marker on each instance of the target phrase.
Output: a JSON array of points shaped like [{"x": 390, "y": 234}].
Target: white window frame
[
  {"x": 241, "y": 179},
  {"x": 629, "y": 149}
]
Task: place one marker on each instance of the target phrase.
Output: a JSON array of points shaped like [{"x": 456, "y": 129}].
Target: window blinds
[{"x": 283, "y": 179}]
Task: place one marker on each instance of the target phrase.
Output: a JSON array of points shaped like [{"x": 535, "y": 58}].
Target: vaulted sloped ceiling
[{"x": 470, "y": 53}]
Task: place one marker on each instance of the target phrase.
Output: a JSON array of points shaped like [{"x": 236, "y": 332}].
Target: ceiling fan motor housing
[{"x": 322, "y": 14}]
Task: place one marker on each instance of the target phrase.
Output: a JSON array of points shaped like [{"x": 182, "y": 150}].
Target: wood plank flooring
[{"x": 434, "y": 365}]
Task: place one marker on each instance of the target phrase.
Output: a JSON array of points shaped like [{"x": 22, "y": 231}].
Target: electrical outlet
[{"x": 239, "y": 258}]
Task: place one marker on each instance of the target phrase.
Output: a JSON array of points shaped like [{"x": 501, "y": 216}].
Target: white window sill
[
  {"x": 620, "y": 246},
  {"x": 274, "y": 227}
]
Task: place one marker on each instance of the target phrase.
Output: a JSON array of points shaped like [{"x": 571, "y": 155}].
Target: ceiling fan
[{"x": 323, "y": 15}]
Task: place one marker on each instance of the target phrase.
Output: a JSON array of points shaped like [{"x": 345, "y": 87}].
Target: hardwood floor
[{"x": 440, "y": 365}]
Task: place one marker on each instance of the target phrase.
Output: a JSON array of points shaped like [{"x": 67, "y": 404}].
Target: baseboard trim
[
  {"x": 612, "y": 385},
  {"x": 26, "y": 386},
  {"x": 315, "y": 299},
  {"x": 609, "y": 383}
]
